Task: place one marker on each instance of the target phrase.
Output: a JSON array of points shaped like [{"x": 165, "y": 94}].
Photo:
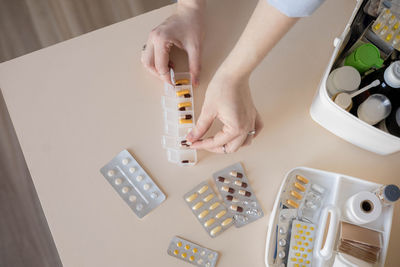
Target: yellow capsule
[
  {"x": 301, "y": 249},
  {"x": 176, "y": 252},
  {"x": 311, "y": 228},
  {"x": 300, "y": 260},
  {"x": 203, "y": 189},
  {"x": 187, "y": 247},
  {"x": 220, "y": 214},
  {"x": 307, "y": 233},
  {"x": 195, "y": 250},
  {"x": 298, "y": 225},
  {"x": 304, "y": 255},
  {"x": 377, "y": 26},
  {"x": 310, "y": 239},
  {"x": 292, "y": 203},
  {"x": 183, "y": 255},
  {"x": 296, "y": 194},
  {"x": 184, "y": 104},
  {"x": 182, "y": 82},
  {"x": 396, "y": 25},
  {"x": 299, "y": 186},
  {"x": 208, "y": 198},
  {"x": 305, "y": 226},
  {"x": 302, "y": 179},
  {"x": 306, "y": 244},
  {"x": 184, "y": 121},
  {"x": 299, "y": 243},
  {"x": 215, "y": 230},
  {"x": 389, "y": 36},
  {"x": 309, "y": 250},
  {"x": 203, "y": 214},
  {"x": 296, "y": 265},
  {"x": 191, "y": 258},
  {"x": 192, "y": 197},
  {"x": 182, "y": 92},
  {"x": 214, "y": 206},
  {"x": 296, "y": 237},
  {"x": 293, "y": 259},
  {"x": 301, "y": 231},
  {"x": 295, "y": 247},
  {"x": 198, "y": 205},
  {"x": 209, "y": 222},
  {"x": 226, "y": 222},
  {"x": 179, "y": 244},
  {"x": 303, "y": 237},
  {"x": 308, "y": 262},
  {"x": 297, "y": 254}
]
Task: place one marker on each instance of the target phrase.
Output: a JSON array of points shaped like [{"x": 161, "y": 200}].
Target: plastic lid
[
  {"x": 369, "y": 55},
  {"x": 347, "y": 79},
  {"x": 392, "y": 192},
  {"x": 392, "y": 75}
]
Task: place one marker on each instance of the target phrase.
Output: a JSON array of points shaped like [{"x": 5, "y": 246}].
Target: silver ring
[
  {"x": 224, "y": 148},
  {"x": 144, "y": 47},
  {"x": 252, "y": 132}
]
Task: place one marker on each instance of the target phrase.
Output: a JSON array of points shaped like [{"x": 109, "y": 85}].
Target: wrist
[
  {"x": 234, "y": 72},
  {"x": 193, "y": 5}
]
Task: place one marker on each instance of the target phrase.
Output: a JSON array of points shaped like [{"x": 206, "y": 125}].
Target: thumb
[
  {"x": 194, "y": 55},
  {"x": 203, "y": 124}
]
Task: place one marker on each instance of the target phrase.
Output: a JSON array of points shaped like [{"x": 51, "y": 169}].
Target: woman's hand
[
  {"x": 183, "y": 29},
  {"x": 229, "y": 100}
]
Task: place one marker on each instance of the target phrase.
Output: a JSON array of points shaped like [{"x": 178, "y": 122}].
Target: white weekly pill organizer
[
  {"x": 133, "y": 184},
  {"x": 192, "y": 253},
  {"x": 178, "y": 107},
  {"x": 336, "y": 189}
]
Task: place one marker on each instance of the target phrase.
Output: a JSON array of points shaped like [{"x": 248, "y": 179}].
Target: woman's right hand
[{"x": 183, "y": 29}]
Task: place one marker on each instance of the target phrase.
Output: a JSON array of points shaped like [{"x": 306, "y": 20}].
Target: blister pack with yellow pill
[
  {"x": 294, "y": 191},
  {"x": 301, "y": 244},
  {"x": 238, "y": 195},
  {"x": 133, "y": 183},
  {"x": 178, "y": 107},
  {"x": 387, "y": 27},
  {"x": 208, "y": 209},
  {"x": 192, "y": 253}
]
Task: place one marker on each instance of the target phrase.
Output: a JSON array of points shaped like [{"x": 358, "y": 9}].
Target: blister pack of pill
[
  {"x": 283, "y": 228},
  {"x": 294, "y": 191},
  {"x": 208, "y": 209},
  {"x": 192, "y": 253},
  {"x": 238, "y": 195},
  {"x": 387, "y": 27},
  {"x": 178, "y": 107},
  {"x": 133, "y": 184},
  {"x": 301, "y": 244}
]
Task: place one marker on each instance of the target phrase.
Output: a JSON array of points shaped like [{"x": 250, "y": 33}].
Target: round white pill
[
  {"x": 139, "y": 206},
  {"x": 154, "y": 195},
  {"x": 125, "y": 161},
  {"x": 208, "y": 264},
  {"x": 110, "y": 173},
  {"x": 118, "y": 181},
  {"x": 125, "y": 189},
  {"x": 211, "y": 256},
  {"x": 203, "y": 253},
  {"x": 132, "y": 170},
  {"x": 146, "y": 186},
  {"x": 200, "y": 261},
  {"x": 139, "y": 178},
  {"x": 132, "y": 198}
]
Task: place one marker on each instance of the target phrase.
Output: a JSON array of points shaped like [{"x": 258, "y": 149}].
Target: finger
[
  {"x": 248, "y": 140},
  {"x": 235, "y": 144},
  {"x": 161, "y": 59},
  {"x": 194, "y": 55},
  {"x": 219, "y": 139},
  {"x": 203, "y": 124},
  {"x": 258, "y": 126},
  {"x": 147, "y": 59}
]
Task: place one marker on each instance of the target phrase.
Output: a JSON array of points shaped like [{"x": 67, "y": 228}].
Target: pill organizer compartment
[
  {"x": 340, "y": 188},
  {"x": 174, "y": 142},
  {"x": 185, "y": 157},
  {"x": 340, "y": 122},
  {"x": 172, "y": 103},
  {"x": 176, "y": 116}
]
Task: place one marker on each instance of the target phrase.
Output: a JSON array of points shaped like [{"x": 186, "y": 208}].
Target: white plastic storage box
[
  {"x": 339, "y": 189},
  {"x": 342, "y": 123}
]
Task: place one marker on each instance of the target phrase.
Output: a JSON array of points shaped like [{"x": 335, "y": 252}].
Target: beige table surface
[{"x": 77, "y": 104}]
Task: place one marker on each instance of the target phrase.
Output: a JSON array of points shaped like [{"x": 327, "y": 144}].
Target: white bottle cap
[
  {"x": 392, "y": 75},
  {"x": 343, "y": 79}
]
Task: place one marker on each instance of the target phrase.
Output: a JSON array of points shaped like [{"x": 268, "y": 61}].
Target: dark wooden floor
[{"x": 25, "y": 26}]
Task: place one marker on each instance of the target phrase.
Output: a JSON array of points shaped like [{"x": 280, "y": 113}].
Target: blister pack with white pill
[
  {"x": 192, "y": 253},
  {"x": 238, "y": 195},
  {"x": 208, "y": 209},
  {"x": 283, "y": 228},
  {"x": 133, "y": 184},
  {"x": 178, "y": 107}
]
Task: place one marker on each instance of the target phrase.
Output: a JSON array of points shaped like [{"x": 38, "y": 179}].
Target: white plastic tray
[{"x": 341, "y": 187}]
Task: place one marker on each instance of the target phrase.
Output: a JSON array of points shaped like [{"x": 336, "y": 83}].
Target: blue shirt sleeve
[{"x": 296, "y": 8}]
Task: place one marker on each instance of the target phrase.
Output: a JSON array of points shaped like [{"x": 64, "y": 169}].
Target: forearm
[{"x": 265, "y": 28}]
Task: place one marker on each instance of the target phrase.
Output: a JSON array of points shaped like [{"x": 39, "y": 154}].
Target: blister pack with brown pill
[
  {"x": 133, "y": 183},
  {"x": 238, "y": 195},
  {"x": 208, "y": 209},
  {"x": 192, "y": 253}
]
